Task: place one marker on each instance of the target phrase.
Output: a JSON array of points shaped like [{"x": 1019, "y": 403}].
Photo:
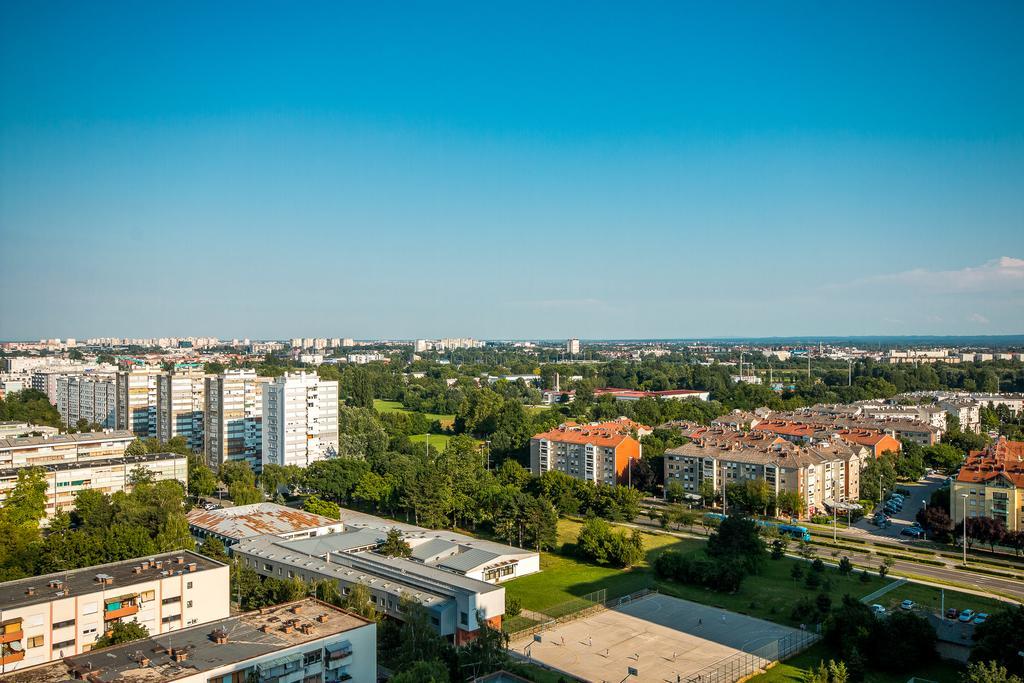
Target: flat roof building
[
  {"x": 59, "y": 615},
  {"x": 233, "y": 524},
  {"x": 307, "y": 640}
]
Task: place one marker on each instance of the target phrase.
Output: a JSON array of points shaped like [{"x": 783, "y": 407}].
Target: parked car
[
  {"x": 952, "y": 613},
  {"x": 877, "y": 609},
  {"x": 967, "y": 616},
  {"x": 907, "y": 604},
  {"x": 913, "y": 532},
  {"x": 981, "y": 618}
]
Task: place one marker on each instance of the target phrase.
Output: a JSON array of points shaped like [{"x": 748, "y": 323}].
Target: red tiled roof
[{"x": 1002, "y": 458}]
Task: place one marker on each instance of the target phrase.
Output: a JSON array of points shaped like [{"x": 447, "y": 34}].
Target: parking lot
[{"x": 920, "y": 493}]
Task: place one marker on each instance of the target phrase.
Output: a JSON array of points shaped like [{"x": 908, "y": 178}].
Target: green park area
[
  {"x": 770, "y": 594},
  {"x": 382, "y": 406},
  {"x": 797, "y": 669},
  {"x": 438, "y": 442}
]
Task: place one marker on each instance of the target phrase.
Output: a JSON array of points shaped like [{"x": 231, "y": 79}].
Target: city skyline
[{"x": 395, "y": 171}]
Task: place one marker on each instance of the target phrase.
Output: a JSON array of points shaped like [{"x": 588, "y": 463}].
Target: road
[{"x": 947, "y": 575}]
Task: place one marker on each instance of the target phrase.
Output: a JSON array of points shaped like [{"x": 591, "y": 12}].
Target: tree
[
  {"x": 237, "y": 472},
  {"x": 706, "y": 490},
  {"x": 988, "y": 672},
  {"x": 202, "y": 481},
  {"x": 487, "y": 652},
  {"x": 373, "y": 489},
  {"x": 394, "y": 545},
  {"x": 597, "y": 541},
  {"x": 359, "y": 600},
  {"x": 1000, "y": 639},
  {"x": 674, "y": 492},
  {"x": 319, "y": 506},
  {"x": 244, "y": 494},
  {"x": 121, "y": 632},
  {"x": 737, "y": 542},
  {"x": 845, "y": 566},
  {"x": 432, "y": 671},
  {"x": 136, "y": 448}
]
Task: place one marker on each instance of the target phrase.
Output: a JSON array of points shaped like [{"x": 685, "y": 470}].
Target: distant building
[
  {"x": 234, "y": 418},
  {"x": 993, "y": 481},
  {"x": 598, "y": 452},
  {"x": 636, "y": 395},
  {"x": 300, "y": 419},
  {"x": 572, "y": 347},
  {"x": 179, "y": 406},
  {"x": 47, "y": 618}
]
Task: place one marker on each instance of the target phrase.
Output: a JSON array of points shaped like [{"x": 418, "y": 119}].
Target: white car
[
  {"x": 878, "y": 609},
  {"x": 967, "y": 616},
  {"x": 907, "y": 604}
]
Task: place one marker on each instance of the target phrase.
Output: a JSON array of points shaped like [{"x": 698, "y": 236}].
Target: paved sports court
[{"x": 659, "y": 636}]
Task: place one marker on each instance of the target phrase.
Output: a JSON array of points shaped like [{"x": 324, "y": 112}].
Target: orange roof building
[
  {"x": 600, "y": 452},
  {"x": 991, "y": 484}
]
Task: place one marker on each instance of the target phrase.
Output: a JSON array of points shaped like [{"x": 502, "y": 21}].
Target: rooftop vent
[
  {"x": 30, "y": 590},
  {"x": 219, "y": 636},
  {"x": 105, "y": 579}
]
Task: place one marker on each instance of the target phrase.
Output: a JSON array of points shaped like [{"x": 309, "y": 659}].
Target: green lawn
[
  {"x": 795, "y": 670},
  {"x": 563, "y": 578},
  {"x": 382, "y": 406},
  {"x": 769, "y": 595},
  {"x": 438, "y": 442},
  {"x": 931, "y": 597},
  {"x": 772, "y": 593}
]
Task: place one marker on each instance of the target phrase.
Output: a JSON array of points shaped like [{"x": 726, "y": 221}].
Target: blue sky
[{"x": 511, "y": 169}]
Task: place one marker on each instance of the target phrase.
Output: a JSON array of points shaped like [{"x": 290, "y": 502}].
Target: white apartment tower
[
  {"x": 179, "y": 406},
  {"x": 300, "y": 419},
  {"x": 572, "y": 347},
  {"x": 136, "y": 400},
  {"x": 234, "y": 418}
]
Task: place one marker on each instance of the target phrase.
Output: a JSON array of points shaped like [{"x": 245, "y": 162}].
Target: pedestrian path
[{"x": 883, "y": 590}]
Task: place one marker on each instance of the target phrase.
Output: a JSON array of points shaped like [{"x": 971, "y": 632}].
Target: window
[
  {"x": 312, "y": 657},
  {"x": 169, "y": 619},
  {"x": 188, "y": 604},
  {"x": 463, "y": 618},
  {"x": 62, "y": 624},
  {"x": 88, "y": 631},
  {"x": 90, "y": 608},
  {"x": 64, "y": 644},
  {"x": 147, "y": 595},
  {"x": 188, "y": 585},
  {"x": 35, "y": 641},
  {"x": 171, "y": 600}
]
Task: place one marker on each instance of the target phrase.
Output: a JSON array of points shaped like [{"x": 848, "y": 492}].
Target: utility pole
[
  {"x": 849, "y": 377},
  {"x": 964, "y": 496}
]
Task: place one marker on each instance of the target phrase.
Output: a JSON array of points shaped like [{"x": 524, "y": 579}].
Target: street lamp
[{"x": 964, "y": 496}]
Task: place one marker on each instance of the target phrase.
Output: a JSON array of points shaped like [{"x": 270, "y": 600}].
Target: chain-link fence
[{"x": 735, "y": 667}]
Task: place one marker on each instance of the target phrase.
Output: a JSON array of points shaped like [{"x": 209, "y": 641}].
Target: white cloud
[
  {"x": 978, "y": 318},
  {"x": 998, "y": 275}
]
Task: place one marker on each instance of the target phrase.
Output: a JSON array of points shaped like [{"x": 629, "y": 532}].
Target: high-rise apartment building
[
  {"x": 572, "y": 347},
  {"x": 300, "y": 419},
  {"x": 180, "y": 406},
  {"x": 89, "y": 398},
  {"x": 136, "y": 400},
  {"x": 234, "y": 418}
]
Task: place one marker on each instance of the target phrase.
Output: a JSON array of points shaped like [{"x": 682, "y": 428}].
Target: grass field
[
  {"x": 563, "y": 578},
  {"x": 795, "y": 670},
  {"x": 382, "y": 406},
  {"x": 769, "y": 595},
  {"x": 931, "y": 597},
  {"x": 438, "y": 442}
]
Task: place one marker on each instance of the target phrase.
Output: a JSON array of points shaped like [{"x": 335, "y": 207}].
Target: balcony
[
  {"x": 10, "y": 657},
  {"x": 10, "y": 636},
  {"x": 124, "y": 610}
]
